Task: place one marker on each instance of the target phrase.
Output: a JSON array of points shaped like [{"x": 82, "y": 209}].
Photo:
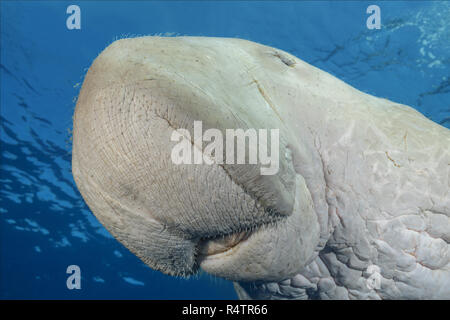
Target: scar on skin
[
  {"x": 404, "y": 140},
  {"x": 393, "y": 161},
  {"x": 266, "y": 97}
]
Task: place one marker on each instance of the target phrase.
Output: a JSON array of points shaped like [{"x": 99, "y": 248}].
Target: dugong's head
[{"x": 232, "y": 220}]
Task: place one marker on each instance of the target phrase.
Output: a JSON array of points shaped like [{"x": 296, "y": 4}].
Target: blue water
[{"x": 44, "y": 224}]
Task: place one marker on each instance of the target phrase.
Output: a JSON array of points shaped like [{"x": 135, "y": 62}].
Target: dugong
[{"x": 359, "y": 207}]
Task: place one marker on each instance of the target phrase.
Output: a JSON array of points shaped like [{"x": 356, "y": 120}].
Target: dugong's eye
[{"x": 285, "y": 59}]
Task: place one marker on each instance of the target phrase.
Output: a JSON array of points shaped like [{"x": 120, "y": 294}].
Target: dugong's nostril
[
  {"x": 211, "y": 246},
  {"x": 290, "y": 62}
]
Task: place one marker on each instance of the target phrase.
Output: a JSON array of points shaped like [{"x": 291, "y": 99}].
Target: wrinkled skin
[{"x": 363, "y": 181}]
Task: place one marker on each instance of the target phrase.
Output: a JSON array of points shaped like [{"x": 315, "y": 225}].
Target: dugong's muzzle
[{"x": 227, "y": 218}]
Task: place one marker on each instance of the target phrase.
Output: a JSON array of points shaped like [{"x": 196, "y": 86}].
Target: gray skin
[{"x": 360, "y": 205}]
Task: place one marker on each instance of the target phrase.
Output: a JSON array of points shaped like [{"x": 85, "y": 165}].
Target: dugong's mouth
[
  {"x": 211, "y": 247},
  {"x": 225, "y": 245},
  {"x": 215, "y": 253}
]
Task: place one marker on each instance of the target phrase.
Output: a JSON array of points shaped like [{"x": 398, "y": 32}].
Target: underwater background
[{"x": 45, "y": 226}]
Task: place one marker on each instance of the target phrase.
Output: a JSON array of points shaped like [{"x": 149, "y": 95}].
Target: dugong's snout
[{"x": 224, "y": 217}]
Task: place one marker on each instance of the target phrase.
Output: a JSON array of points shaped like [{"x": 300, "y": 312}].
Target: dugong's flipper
[{"x": 359, "y": 206}]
